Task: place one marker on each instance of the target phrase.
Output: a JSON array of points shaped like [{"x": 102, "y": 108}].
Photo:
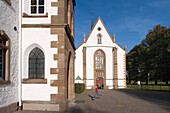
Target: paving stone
[{"x": 119, "y": 101}]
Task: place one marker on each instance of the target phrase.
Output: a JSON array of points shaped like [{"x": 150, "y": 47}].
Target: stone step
[{"x": 41, "y": 107}]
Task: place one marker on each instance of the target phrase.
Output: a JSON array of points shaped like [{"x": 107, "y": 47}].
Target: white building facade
[
  {"x": 100, "y": 60},
  {"x": 47, "y": 53}
]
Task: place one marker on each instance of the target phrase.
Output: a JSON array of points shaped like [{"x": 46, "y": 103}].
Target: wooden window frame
[
  {"x": 4, "y": 36},
  {"x": 37, "y": 14}
]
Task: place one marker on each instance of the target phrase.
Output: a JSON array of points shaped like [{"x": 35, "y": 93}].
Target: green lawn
[
  {"x": 151, "y": 82},
  {"x": 150, "y": 87}
]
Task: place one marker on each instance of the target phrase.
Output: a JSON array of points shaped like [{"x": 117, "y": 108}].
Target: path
[
  {"x": 120, "y": 101},
  {"x": 123, "y": 101}
]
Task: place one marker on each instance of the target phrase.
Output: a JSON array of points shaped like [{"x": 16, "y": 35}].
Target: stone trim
[
  {"x": 34, "y": 81},
  {"x": 58, "y": 97},
  {"x": 7, "y": 57},
  {"x": 115, "y": 68},
  {"x": 54, "y": 70},
  {"x": 84, "y": 65},
  {"x": 56, "y": 57},
  {"x": 43, "y": 25},
  {"x": 125, "y": 69},
  {"x": 62, "y": 104},
  {"x": 24, "y": 15},
  {"x": 8, "y": 2},
  {"x": 57, "y": 82},
  {"x": 4, "y": 82},
  {"x": 55, "y": 4},
  {"x": 65, "y": 46},
  {"x": 54, "y": 44}
]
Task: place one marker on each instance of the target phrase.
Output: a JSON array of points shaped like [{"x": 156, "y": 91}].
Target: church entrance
[
  {"x": 99, "y": 81},
  {"x": 99, "y": 68}
]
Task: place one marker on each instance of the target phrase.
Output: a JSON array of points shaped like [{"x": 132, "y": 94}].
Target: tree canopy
[{"x": 151, "y": 57}]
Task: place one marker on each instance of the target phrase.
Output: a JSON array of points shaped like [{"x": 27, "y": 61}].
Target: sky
[{"x": 130, "y": 20}]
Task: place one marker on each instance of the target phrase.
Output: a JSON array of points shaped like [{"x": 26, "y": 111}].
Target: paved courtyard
[{"x": 121, "y": 101}]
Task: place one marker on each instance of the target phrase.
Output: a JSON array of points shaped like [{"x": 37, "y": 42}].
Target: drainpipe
[{"x": 20, "y": 55}]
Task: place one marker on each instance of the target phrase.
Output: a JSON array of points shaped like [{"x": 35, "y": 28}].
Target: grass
[
  {"x": 150, "y": 87},
  {"x": 159, "y": 82}
]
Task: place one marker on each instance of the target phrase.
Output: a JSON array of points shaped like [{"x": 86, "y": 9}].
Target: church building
[
  {"x": 100, "y": 60},
  {"x": 37, "y": 55}
]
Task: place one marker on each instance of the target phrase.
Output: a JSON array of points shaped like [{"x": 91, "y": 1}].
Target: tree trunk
[
  {"x": 146, "y": 82},
  {"x": 166, "y": 82},
  {"x": 156, "y": 82},
  {"x": 129, "y": 81}
]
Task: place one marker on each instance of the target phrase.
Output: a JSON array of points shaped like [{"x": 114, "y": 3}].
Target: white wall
[
  {"x": 78, "y": 70},
  {"x": 39, "y": 37},
  {"x": 48, "y": 9},
  {"x": 9, "y": 19}
]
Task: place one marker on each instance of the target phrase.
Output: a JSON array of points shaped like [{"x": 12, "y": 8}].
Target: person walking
[{"x": 96, "y": 93}]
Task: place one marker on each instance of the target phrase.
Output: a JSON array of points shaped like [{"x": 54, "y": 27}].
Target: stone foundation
[
  {"x": 10, "y": 108},
  {"x": 45, "y": 105}
]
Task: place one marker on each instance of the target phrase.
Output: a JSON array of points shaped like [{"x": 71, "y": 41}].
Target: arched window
[
  {"x": 37, "y": 7},
  {"x": 99, "y": 60},
  {"x": 36, "y": 64},
  {"x": 99, "y": 38},
  {"x": 99, "y": 67}
]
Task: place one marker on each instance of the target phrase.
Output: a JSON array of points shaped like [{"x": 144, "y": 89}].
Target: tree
[{"x": 151, "y": 56}]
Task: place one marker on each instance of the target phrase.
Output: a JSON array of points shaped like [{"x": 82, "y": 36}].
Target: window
[
  {"x": 4, "y": 56},
  {"x": 37, "y": 7},
  {"x": 36, "y": 64},
  {"x": 99, "y": 38},
  {"x": 99, "y": 60},
  {"x": 2, "y": 59},
  {"x": 99, "y": 28}
]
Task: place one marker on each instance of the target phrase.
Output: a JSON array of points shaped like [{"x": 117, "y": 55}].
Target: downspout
[{"x": 20, "y": 55}]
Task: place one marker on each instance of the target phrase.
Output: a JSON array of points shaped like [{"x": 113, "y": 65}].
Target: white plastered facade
[
  {"x": 41, "y": 38},
  {"x": 107, "y": 45}
]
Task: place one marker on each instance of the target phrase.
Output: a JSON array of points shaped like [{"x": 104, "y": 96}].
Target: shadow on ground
[
  {"x": 84, "y": 110},
  {"x": 158, "y": 98}
]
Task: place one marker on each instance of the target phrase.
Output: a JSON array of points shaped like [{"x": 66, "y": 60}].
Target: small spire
[
  {"x": 92, "y": 21},
  {"x": 84, "y": 37},
  {"x": 114, "y": 38},
  {"x": 125, "y": 47}
]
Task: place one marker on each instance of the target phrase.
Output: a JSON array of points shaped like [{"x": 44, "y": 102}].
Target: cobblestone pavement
[{"x": 120, "y": 101}]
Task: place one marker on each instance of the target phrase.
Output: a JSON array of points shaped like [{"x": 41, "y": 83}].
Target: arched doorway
[
  {"x": 99, "y": 81},
  {"x": 99, "y": 68},
  {"x": 70, "y": 77}
]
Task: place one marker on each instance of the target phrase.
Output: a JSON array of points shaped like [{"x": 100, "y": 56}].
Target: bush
[{"x": 79, "y": 88}]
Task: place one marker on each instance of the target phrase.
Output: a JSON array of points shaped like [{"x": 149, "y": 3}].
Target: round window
[{"x": 99, "y": 28}]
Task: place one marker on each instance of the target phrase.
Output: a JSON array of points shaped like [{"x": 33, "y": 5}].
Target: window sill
[
  {"x": 34, "y": 16},
  {"x": 34, "y": 81},
  {"x": 4, "y": 82}
]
